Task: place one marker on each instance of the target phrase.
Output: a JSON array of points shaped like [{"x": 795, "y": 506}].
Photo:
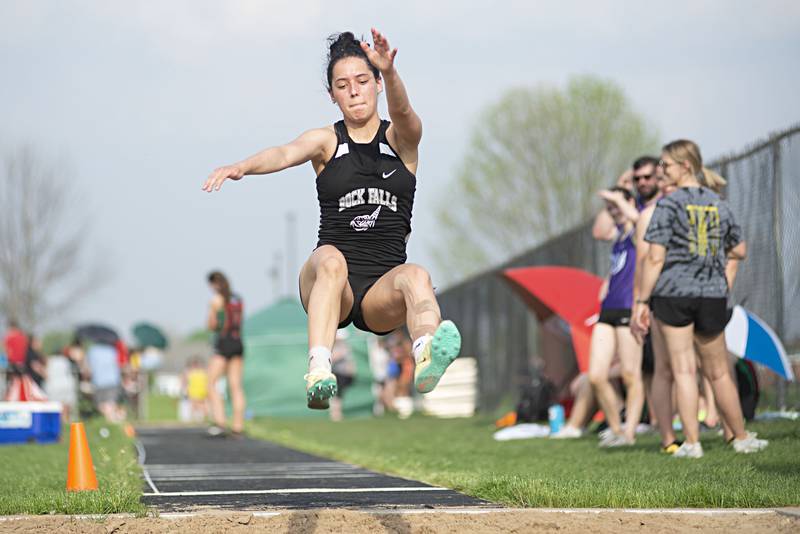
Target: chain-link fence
[{"x": 763, "y": 189}]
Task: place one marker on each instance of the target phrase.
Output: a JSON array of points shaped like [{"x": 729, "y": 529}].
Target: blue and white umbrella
[{"x": 749, "y": 337}]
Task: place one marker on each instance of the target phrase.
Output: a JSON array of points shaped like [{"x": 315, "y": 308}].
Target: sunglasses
[
  {"x": 644, "y": 177},
  {"x": 665, "y": 164}
]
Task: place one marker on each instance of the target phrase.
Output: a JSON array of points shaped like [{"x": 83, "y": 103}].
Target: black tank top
[{"x": 366, "y": 195}]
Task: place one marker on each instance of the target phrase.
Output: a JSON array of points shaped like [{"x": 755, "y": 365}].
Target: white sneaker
[
  {"x": 604, "y": 434},
  {"x": 614, "y": 440},
  {"x": 689, "y": 450},
  {"x": 567, "y": 432},
  {"x": 750, "y": 444},
  {"x": 215, "y": 431}
]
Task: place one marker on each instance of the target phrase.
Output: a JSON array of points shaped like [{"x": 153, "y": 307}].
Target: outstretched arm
[
  {"x": 604, "y": 228},
  {"x": 638, "y": 329},
  {"x": 309, "y": 146},
  {"x": 735, "y": 256},
  {"x": 653, "y": 264},
  {"x": 629, "y": 211},
  {"x": 642, "y": 249},
  {"x": 405, "y": 122}
]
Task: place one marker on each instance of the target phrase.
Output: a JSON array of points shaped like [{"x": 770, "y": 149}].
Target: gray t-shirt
[{"x": 698, "y": 229}]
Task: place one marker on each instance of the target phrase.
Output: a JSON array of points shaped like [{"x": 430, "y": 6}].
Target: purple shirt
[{"x": 623, "y": 265}]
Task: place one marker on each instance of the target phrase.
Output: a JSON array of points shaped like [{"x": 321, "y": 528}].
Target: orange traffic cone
[{"x": 80, "y": 471}]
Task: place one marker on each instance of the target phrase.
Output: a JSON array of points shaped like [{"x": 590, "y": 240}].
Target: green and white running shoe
[
  {"x": 320, "y": 387},
  {"x": 438, "y": 353}
]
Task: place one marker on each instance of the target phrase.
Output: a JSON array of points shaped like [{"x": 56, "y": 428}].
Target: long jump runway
[{"x": 184, "y": 469}]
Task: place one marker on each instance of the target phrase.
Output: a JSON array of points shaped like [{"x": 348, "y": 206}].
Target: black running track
[{"x": 185, "y": 470}]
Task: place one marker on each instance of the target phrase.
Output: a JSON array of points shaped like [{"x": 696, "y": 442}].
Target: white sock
[
  {"x": 418, "y": 345},
  {"x": 319, "y": 358}
]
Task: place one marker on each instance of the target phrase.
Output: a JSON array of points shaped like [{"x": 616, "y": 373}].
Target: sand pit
[{"x": 429, "y": 522}]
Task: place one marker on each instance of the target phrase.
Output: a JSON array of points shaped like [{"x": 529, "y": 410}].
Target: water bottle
[{"x": 556, "y": 416}]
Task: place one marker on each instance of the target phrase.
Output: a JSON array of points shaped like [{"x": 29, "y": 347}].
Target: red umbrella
[{"x": 565, "y": 291}]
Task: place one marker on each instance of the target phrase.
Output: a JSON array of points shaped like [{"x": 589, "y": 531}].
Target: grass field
[
  {"x": 461, "y": 454},
  {"x": 161, "y": 408},
  {"x": 33, "y": 477}
]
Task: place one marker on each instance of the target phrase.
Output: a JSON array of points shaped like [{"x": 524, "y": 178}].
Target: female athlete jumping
[{"x": 365, "y": 170}]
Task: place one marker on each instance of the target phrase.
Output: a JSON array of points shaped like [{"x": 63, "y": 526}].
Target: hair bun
[
  {"x": 344, "y": 45},
  {"x": 341, "y": 40}
]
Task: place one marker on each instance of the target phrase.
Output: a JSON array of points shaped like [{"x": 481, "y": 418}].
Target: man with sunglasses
[
  {"x": 645, "y": 175},
  {"x": 645, "y": 180}
]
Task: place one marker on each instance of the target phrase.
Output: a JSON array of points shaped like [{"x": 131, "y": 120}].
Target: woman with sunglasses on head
[
  {"x": 611, "y": 336},
  {"x": 686, "y": 278},
  {"x": 365, "y": 169}
]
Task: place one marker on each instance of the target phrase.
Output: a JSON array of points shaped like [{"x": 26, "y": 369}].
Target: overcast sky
[{"x": 144, "y": 99}]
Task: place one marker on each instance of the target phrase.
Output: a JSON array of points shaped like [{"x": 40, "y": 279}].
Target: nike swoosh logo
[{"x": 388, "y": 174}]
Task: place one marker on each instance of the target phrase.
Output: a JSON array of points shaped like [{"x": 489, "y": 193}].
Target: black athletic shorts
[
  {"x": 648, "y": 360},
  {"x": 360, "y": 284},
  {"x": 229, "y": 347},
  {"x": 709, "y": 315},
  {"x": 615, "y": 317}
]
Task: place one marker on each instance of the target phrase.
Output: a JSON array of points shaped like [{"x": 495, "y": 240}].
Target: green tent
[{"x": 276, "y": 358}]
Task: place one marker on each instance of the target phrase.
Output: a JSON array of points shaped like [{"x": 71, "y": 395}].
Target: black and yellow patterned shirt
[{"x": 698, "y": 229}]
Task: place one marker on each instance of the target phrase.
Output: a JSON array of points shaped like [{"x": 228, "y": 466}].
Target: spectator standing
[
  {"x": 195, "y": 384},
  {"x": 106, "y": 380},
  {"x": 611, "y": 336},
  {"x": 16, "y": 347},
  {"x": 343, "y": 366},
  {"x": 225, "y": 321},
  {"x": 61, "y": 384},
  {"x": 400, "y": 373},
  {"x": 692, "y": 235},
  {"x": 35, "y": 363},
  {"x": 378, "y": 365}
]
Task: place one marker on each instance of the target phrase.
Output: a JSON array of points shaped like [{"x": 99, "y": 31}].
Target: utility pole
[
  {"x": 275, "y": 275},
  {"x": 291, "y": 251}
]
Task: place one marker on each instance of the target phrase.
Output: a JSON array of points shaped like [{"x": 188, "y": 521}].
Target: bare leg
[
  {"x": 198, "y": 410},
  {"x": 603, "y": 346},
  {"x": 678, "y": 341},
  {"x": 714, "y": 359},
  {"x": 109, "y": 411},
  {"x": 647, "y": 382},
  {"x": 712, "y": 415},
  {"x": 662, "y": 386},
  {"x": 584, "y": 406},
  {"x": 121, "y": 412},
  {"x": 336, "y": 409},
  {"x": 216, "y": 368},
  {"x": 235, "y": 366},
  {"x": 389, "y": 393},
  {"x": 727, "y": 431},
  {"x": 630, "y": 355},
  {"x": 326, "y": 294},
  {"x": 404, "y": 295}
]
